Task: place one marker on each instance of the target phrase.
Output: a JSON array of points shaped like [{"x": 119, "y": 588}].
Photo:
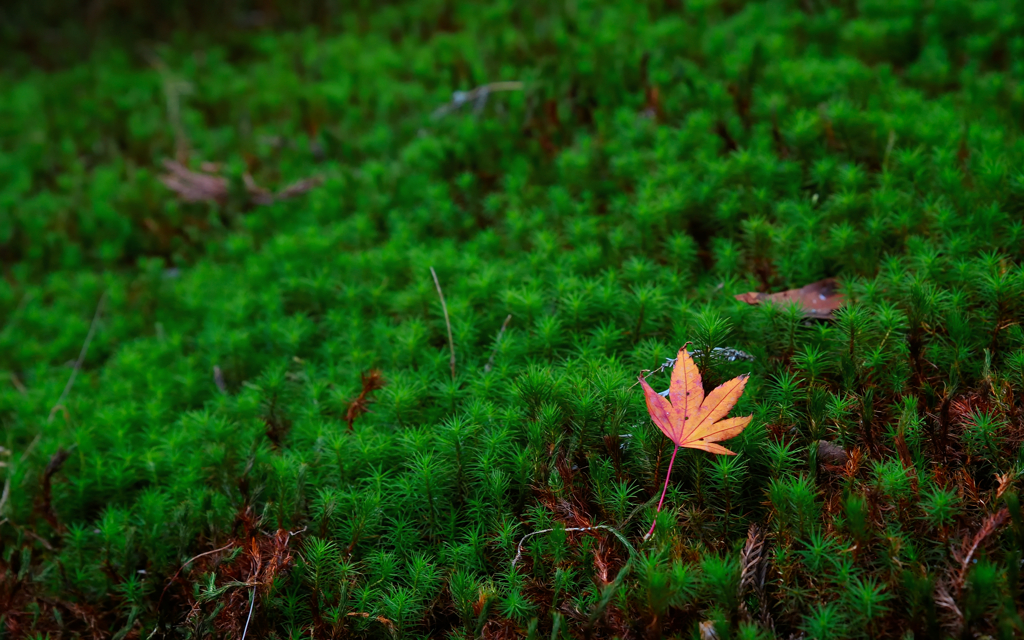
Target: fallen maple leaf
[{"x": 691, "y": 420}]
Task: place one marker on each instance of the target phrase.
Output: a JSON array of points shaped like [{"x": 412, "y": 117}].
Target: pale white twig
[
  {"x": 252, "y": 603},
  {"x": 478, "y": 95},
  {"x": 519, "y": 548},
  {"x": 188, "y": 562},
  {"x": 722, "y": 353}
]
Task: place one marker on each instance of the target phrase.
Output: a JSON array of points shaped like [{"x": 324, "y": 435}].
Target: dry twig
[
  {"x": 6, "y": 494},
  {"x": 966, "y": 554},
  {"x": 46, "y": 505},
  {"x": 497, "y": 341},
  {"x": 81, "y": 357},
  {"x": 16, "y": 314},
  {"x": 447, "y": 322},
  {"x": 519, "y": 547},
  {"x": 478, "y": 96},
  {"x": 949, "y": 592},
  {"x": 16, "y": 381},
  {"x": 188, "y": 562},
  {"x": 174, "y": 88}
]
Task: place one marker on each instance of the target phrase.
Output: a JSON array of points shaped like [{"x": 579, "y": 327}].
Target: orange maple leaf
[{"x": 688, "y": 418}]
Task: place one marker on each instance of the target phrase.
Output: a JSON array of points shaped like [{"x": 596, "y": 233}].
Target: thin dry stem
[
  {"x": 174, "y": 88},
  {"x": 16, "y": 314},
  {"x": 252, "y": 604},
  {"x": 7, "y": 483},
  {"x": 519, "y": 548},
  {"x": 990, "y": 526},
  {"x": 478, "y": 94},
  {"x": 16, "y": 381},
  {"x": 447, "y": 322},
  {"x": 188, "y": 562},
  {"x": 81, "y": 357},
  {"x": 497, "y": 341}
]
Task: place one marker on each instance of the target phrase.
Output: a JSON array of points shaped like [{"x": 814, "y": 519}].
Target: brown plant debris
[
  {"x": 950, "y": 614},
  {"x": 652, "y": 104},
  {"x": 372, "y": 381},
  {"x": 707, "y": 630},
  {"x": 970, "y": 546},
  {"x": 208, "y": 186},
  {"x": 853, "y": 464},
  {"x": 753, "y": 572},
  {"x": 381, "y": 619},
  {"x": 46, "y": 502},
  {"x": 949, "y": 593},
  {"x": 25, "y": 609},
  {"x": 818, "y": 299},
  {"x": 263, "y": 559}
]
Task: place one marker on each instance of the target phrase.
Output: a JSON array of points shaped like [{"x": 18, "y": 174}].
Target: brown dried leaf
[{"x": 818, "y": 299}]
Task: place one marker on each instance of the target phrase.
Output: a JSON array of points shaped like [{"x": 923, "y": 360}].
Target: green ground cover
[{"x": 206, "y": 468}]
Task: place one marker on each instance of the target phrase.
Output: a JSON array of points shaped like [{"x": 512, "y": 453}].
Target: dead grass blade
[{"x": 81, "y": 357}]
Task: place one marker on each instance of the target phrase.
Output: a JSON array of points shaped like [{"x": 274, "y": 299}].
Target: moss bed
[{"x": 254, "y": 414}]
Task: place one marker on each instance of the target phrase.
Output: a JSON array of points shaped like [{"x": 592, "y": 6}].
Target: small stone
[{"x": 831, "y": 453}]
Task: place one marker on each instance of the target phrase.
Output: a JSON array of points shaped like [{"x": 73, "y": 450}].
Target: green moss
[{"x": 213, "y": 454}]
